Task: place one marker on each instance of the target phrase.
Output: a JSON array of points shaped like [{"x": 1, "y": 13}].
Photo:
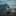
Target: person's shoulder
[{"x": 7, "y": 8}]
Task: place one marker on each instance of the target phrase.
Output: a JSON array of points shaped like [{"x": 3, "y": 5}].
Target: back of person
[{"x": 8, "y": 10}]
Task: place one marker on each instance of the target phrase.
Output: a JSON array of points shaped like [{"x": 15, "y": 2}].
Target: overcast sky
[{"x": 10, "y": 2}]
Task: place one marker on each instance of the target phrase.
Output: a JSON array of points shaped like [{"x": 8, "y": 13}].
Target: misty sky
[{"x": 10, "y": 2}]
